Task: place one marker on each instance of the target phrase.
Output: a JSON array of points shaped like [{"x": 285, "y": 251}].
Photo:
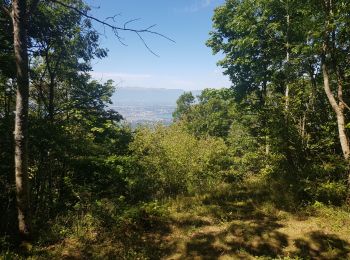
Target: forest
[{"x": 259, "y": 170}]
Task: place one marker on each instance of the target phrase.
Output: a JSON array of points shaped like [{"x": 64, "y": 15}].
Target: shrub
[{"x": 174, "y": 161}]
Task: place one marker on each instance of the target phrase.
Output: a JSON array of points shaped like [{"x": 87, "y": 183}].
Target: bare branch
[
  {"x": 130, "y": 21},
  {"x": 144, "y": 43},
  {"x": 150, "y": 27},
  {"x": 116, "y": 29},
  {"x": 112, "y": 17},
  {"x": 120, "y": 39}
]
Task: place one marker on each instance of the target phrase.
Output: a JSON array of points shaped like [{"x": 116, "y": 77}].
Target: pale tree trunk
[
  {"x": 339, "y": 111},
  {"x": 51, "y": 107},
  {"x": 329, "y": 48},
  {"x": 286, "y": 96},
  {"x": 21, "y": 122},
  {"x": 287, "y": 61}
]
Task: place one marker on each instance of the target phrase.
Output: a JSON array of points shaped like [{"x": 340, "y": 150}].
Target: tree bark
[
  {"x": 19, "y": 16},
  {"x": 51, "y": 90},
  {"x": 339, "y": 111},
  {"x": 51, "y": 98}
]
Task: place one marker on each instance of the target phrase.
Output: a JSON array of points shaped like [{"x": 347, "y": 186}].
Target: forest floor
[
  {"x": 238, "y": 224},
  {"x": 232, "y": 223}
]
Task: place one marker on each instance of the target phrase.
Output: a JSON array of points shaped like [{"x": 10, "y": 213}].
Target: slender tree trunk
[
  {"x": 21, "y": 121},
  {"x": 329, "y": 47},
  {"x": 287, "y": 62},
  {"x": 339, "y": 111},
  {"x": 51, "y": 89},
  {"x": 51, "y": 98},
  {"x": 313, "y": 88},
  {"x": 286, "y": 95},
  {"x": 342, "y": 136}
]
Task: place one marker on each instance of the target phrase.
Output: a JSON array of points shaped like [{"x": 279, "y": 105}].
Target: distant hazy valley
[{"x": 146, "y": 105}]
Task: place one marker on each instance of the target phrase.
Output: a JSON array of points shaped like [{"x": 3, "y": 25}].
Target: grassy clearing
[
  {"x": 233, "y": 222},
  {"x": 240, "y": 223}
]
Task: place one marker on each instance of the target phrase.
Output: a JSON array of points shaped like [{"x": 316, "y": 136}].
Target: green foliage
[
  {"x": 174, "y": 161},
  {"x": 331, "y": 192},
  {"x": 184, "y": 103},
  {"x": 248, "y": 156},
  {"x": 93, "y": 178},
  {"x": 211, "y": 115},
  {"x": 285, "y": 129}
]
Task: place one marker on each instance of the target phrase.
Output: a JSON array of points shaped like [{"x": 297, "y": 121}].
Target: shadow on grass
[
  {"x": 234, "y": 224},
  {"x": 322, "y": 246},
  {"x": 98, "y": 233},
  {"x": 246, "y": 231},
  {"x": 240, "y": 240},
  {"x": 250, "y": 233}
]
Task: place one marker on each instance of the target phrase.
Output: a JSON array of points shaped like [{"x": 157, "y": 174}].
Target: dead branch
[{"x": 117, "y": 29}]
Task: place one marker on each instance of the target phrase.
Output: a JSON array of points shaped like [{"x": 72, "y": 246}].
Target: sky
[{"x": 187, "y": 64}]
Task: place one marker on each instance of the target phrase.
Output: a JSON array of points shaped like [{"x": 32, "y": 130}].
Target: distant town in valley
[
  {"x": 146, "y": 105},
  {"x": 143, "y": 114}
]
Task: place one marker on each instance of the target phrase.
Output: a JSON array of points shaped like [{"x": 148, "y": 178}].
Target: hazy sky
[{"x": 187, "y": 64}]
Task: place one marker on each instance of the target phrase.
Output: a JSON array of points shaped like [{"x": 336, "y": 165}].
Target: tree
[
  {"x": 21, "y": 12},
  {"x": 269, "y": 45},
  {"x": 335, "y": 47},
  {"x": 20, "y": 23},
  {"x": 183, "y": 103},
  {"x": 212, "y": 113},
  {"x": 288, "y": 62}
]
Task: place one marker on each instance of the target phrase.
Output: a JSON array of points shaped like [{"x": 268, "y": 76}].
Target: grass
[
  {"x": 241, "y": 222},
  {"x": 236, "y": 221}
]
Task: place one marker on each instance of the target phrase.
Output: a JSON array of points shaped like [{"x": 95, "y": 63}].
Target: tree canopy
[{"x": 236, "y": 169}]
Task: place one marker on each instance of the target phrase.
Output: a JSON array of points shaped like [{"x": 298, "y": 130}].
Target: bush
[
  {"x": 174, "y": 161},
  {"x": 331, "y": 192},
  {"x": 245, "y": 150}
]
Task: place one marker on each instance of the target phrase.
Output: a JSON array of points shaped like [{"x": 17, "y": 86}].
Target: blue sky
[{"x": 187, "y": 64}]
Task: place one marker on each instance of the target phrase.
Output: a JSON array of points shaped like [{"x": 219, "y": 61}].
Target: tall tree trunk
[
  {"x": 339, "y": 111},
  {"x": 51, "y": 89},
  {"x": 329, "y": 48},
  {"x": 21, "y": 122},
  {"x": 51, "y": 99}
]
